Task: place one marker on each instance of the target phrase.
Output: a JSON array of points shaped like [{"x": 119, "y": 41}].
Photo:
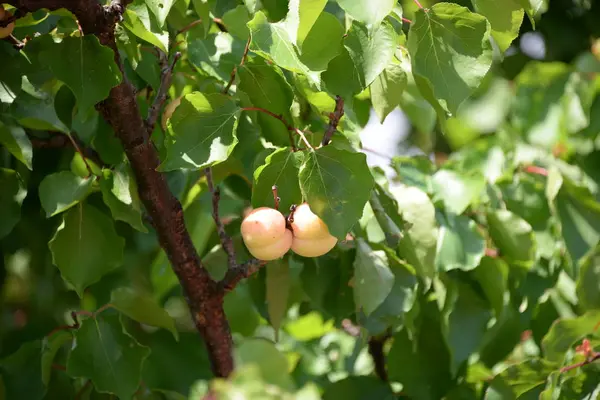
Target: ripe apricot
[
  {"x": 7, "y": 30},
  {"x": 265, "y": 235},
  {"x": 311, "y": 235}
]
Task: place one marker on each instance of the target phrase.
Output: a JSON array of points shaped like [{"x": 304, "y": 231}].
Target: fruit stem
[
  {"x": 290, "y": 218},
  {"x": 275, "y": 196}
]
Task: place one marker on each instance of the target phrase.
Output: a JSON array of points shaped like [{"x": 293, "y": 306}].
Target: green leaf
[
  {"x": 201, "y": 132},
  {"x": 370, "y": 50},
  {"x": 280, "y": 168},
  {"x": 12, "y": 72},
  {"x": 137, "y": 20},
  {"x": 267, "y": 88},
  {"x": 371, "y": 12},
  {"x": 460, "y": 245},
  {"x": 340, "y": 79},
  {"x": 467, "y": 324},
  {"x": 450, "y": 53},
  {"x": 415, "y": 171},
  {"x": 11, "y": 197},
  {"x": 534, "y": 8},
  {"x": 17, "y": 142},
  {"x": 236, "y": 21},
  {"x": 62, "y": 190},
  {"x": 37, "y": 113},
  {"x": 263, "y": 354},
  {"x": 316, "y": 53},
  {"x": 22, "y": 373},
  {"x": 142, "y": 308},
  {"x": 492, "y": 275},
  {"x": 418, "y": 246},
  {"x": 505, "y": 19},
  {"x": 271, "y": 41},
  {"x": 552, "y": 101},
  {"x": 216, "y": 54},
  {"x": 588, "y": 282},
  {"x": 336, "y": 184},
  {"x": 386, "y": 90},
  {"x": 278, "y": 291},
  {"x": 51, "y": 346},
  {"x": 108, "y": 356},
  {"x": 566, "y": 332},
  {"x": 524, "y": 380},
  {"x": 240, "y": 311},
  {"x": 513, "y": 236},
  {"x": 309, "y": 327},
  {"x": 301, "y": 17},
  {"x": 119, "y": 193},
  {"x": 92, "y": 75},
  {"x": 457, "y": 191},
  {"x": 358, "y": 388},
  {"x": 86, "y": 246},
  {"x": 373, "y": 279},
  {"x": 160, "y": 8},
  {"x": 421, "y": 364}
]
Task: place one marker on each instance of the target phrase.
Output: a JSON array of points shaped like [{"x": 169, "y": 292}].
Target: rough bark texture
[{"x": 120, "y": 109}]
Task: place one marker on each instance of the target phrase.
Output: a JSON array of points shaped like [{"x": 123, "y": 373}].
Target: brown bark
[{"x": 120, "y": 109}]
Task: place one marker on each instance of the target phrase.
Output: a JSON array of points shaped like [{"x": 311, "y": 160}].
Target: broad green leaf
[
  {"x": 309, "y": 327},
  {"x": 240, "y": 311},
  {"x": 271, "y": 41},
  {"x": 340, "y": 79},
  {"x": 457, "y": 191},
  {"x": 415, "y": 171},
  {"x": 62, "y": 190},
  {"x": 138, "y": 21},
  {"x": 201, "y": 132},
  {"x": 278, "y": 291},
  {"x": 120, "y": 195},
  {"x": 142, "y": 308},
  {"x": 373, "y": 279},
  {"x": 86, "y": 246},
  {"x": 216, "y": 54},
  {"x": 460, "y": 245},
  {"x": 16, "y": 141},
  {"x": 50, "y": 346},
  {"x": 160, "y": 9},
  {"x": 11, "y": 197},
  {"x": 492, "y": 275},
  {"x": 336, "y": 184},
  {"x": 579, "y": 215},
  {"x": 21, "y": 373},
  {"x": 418, "y": 246},
  {"x": 12, "y": 72},
  {"x": 552, "y": 101},
  {"x": 524, "y": 380},
  {"x": 370, "y": 50},
  {"x": 235, "y": 20},
  {"x": 107, "y": 355},
  {"x": 316, "y": 53},
  {"x": 37, "y": 113},
  {"x": 370, "y": 12},
  {"x": 534, "y": 8},
  {"x": 93, "y": 74},
  {"x": 263, "y": 354},
  {"x": 386, "y": 90},
  {"x": 267, "y": 88},
  {"x": 203, "y": 9},
  {"x": 513, "y": 236},
  {"x": 505, "y": 19},
  {"x": 450, "y": 53},
  {"x": 564, "y": 333},
  {"x": 588, "y": 282},
  {"x": 301, "y": 17},
  {"x": 421, "y": 364},
  {"x": 358, "y": 388},
  {"x": 467, "y": 324},
  {"x": 280, "y": 168}
]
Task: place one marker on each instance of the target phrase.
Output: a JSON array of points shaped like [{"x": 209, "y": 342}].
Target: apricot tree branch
[
  {"x": 226, "y": 241},
  {"x": 334, "y": 120},
  {"x": 121, "y": 111},
  {"x": 241, "y": 271},
  {"x": 594, "y": 357},
  {"x": 166, "y": 77},
  {"x": 376, "y": 350},
  {"x": 234, "y": 70}
]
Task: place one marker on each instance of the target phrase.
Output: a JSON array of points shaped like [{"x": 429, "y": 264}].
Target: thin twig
[
  {"x": 234, "y": 70},
  {"x": 188, "y": 27},
  {"x": 78, "y": 149},
  {"x": 408, "y": 21},
  {"x": 418, "y": 3},
  {"x": 241, "y": 271},
  {"x": 83, "y": 389},
  {"x": 75, "y": 325},
  {"x": 334, "y": 120},
  {"x": 226, "y": 241},
  {"x": 594, "y": 357},
  {"x": 59, "y": 140},
  {"x": 276, "y": 197},
  {"x": 166, "y": 77},
  {"x": 289, "y": 127},
  {"x": 375, "y": 346}
]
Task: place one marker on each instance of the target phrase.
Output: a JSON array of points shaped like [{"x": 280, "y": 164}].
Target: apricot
[
  {"x": 265, "y": 235},
  {"x": 311, "y": 235},
  {"x": 7, "y": 30}
]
